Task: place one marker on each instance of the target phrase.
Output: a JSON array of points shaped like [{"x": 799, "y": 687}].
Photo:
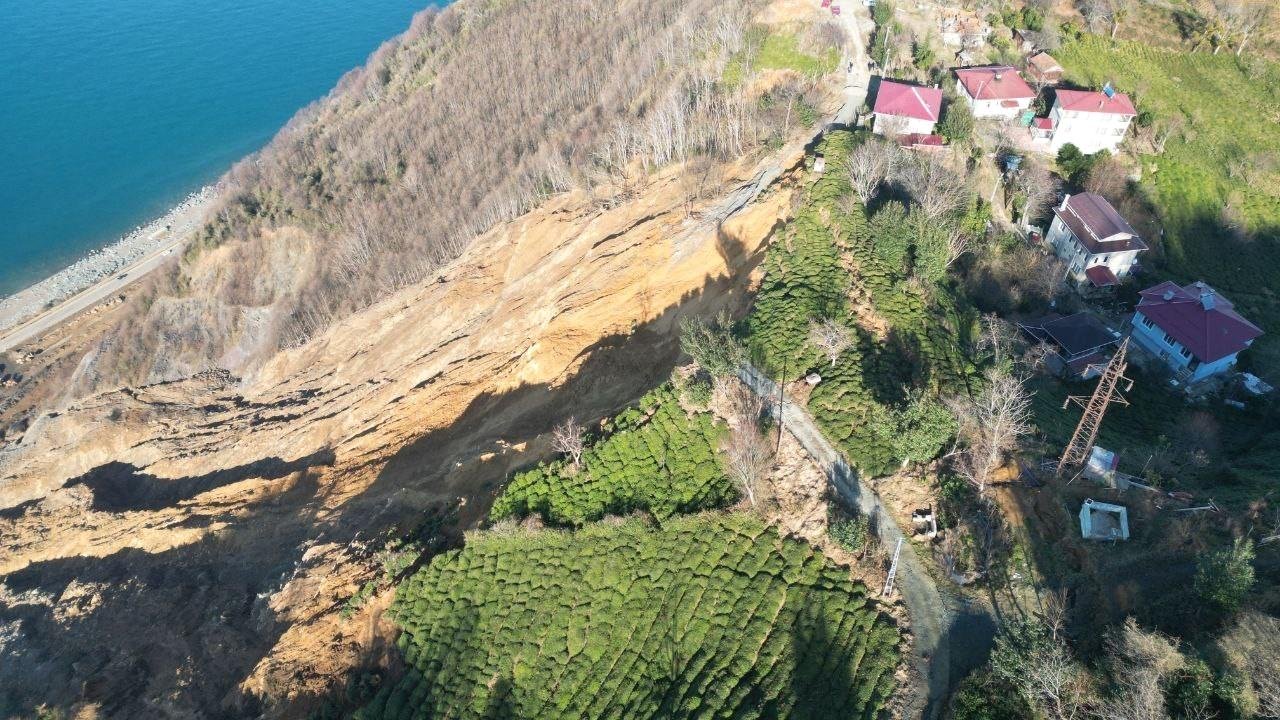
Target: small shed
[
  {"x": 1103, "y": 521},
  {"x": 819, "y": 164},
  {"x": 1080, "y": 343},
  {"x": 1101, "y": 466}
]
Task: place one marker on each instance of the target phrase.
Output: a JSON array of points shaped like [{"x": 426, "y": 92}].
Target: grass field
[
  {"x": 1232, "y": 115},
  {"x": 779, "y": 50},
  {"x": 707, "y": 617}
]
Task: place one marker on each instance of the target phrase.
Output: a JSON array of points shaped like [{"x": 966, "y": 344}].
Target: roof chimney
[
  {"x": 999, "y": 76},
  {"x": 1168, "y": 295},
  {"x": 1206, "y": 299},
  {"x": 1065, "y": 198}
]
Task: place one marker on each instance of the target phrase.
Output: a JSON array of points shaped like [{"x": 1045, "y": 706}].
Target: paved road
[
  {"x": 931, "y": 618},
  {"x": 87, "y": 298}
]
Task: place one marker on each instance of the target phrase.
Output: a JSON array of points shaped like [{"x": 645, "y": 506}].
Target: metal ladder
[{"x": 893, "y": 570}]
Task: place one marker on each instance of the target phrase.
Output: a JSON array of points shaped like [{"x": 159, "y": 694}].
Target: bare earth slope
[{"x": 134, "y": 588}]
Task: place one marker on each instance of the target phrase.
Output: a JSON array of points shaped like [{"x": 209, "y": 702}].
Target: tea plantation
[
  {"x": 711, "y": 616},
  {"x": 658, "y": 458},
  {"x": 879, "y": 401}
]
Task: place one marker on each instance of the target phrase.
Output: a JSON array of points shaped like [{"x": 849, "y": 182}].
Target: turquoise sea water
[{"x": 113, "y": 110}]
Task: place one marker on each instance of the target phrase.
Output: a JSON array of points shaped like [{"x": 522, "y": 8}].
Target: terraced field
[
  {"x": 658, "y": 458},
  {"x": 708, "y": 616}
]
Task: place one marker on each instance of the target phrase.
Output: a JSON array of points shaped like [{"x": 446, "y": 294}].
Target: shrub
[
  {"x": 1224, "y": 577},
  {"x": 850, "y": 532}
]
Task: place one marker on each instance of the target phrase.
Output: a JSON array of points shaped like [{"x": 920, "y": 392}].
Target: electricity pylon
[{"x": 1095, "y": 406}]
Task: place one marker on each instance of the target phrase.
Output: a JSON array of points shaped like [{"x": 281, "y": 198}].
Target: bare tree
[
  {"x": 1038, "y": 188},
  {"x": 1254, "y": 645},
  {"x": 869, "y": 165},
  {"x": 830, "y": 337},
  {"x": 1140, "y": 662},
  {"x": 959, "y": 242},
  {"x": 747, "y": 452},
  {"x": 570, "y": 438},
  {"x": 1098, "y": 14},
  {"x": 1243, "y": 18},
  {"x": 935, "y": 188},
  {"x": 1034, "y": 656},
  {"x": 991, "y": 425}
]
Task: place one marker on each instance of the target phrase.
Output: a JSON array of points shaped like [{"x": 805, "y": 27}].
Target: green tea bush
[
  {"x": 707, "y": 617},
  {"x": 657, "y": 458},
  {"x": 879, "y": 402}
]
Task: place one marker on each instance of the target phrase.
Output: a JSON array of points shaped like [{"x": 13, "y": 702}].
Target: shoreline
[{"x": 144, "y": 241}]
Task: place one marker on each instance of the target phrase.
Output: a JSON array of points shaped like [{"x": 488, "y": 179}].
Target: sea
[{"x": 112, "y": 111}]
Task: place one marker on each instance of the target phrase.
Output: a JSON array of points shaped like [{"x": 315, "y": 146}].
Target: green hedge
[
  {"x": 707, "y": 617},
  {"x": 658, "y": 458}
]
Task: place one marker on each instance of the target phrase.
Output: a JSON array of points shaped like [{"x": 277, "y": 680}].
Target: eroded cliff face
[{"x": 185, "y": 547}]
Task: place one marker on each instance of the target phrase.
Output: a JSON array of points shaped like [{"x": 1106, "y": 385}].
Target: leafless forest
[{"x": 473, "y": 116}]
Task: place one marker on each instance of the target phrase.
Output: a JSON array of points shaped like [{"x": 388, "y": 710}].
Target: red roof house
[
  {"x": 994, "y": 91},
  {"x": 1096, "y": 101},
  {"x": 1194, "y": 329},
  {"x": 909, "y": 108}
]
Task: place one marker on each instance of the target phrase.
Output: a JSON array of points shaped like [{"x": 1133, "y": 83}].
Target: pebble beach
[{"x": 165, "y": 231}]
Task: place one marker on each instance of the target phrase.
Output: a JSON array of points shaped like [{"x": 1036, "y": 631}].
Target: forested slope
[{"x": 470, "y": 118}]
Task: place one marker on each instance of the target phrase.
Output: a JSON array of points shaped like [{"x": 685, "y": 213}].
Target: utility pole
[
  {"x": 782, "y": 399},
  {"x": 1095, "y": 406}
]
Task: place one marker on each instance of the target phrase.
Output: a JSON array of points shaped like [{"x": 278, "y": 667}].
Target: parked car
[{"x": 835, "y": 9}]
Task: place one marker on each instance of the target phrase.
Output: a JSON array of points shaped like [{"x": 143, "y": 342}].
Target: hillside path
[{"x": 931, "y": 616}]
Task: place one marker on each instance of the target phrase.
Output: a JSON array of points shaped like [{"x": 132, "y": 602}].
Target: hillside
[
  {"x": 475, "y": 115},
  {"x": 1217, "y": 184},
  {"x": 230, "y": 483}
]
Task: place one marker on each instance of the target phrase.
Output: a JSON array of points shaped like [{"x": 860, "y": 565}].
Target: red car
[
  {"x": 826, "y": 3},
  {"x": 835, "y": 9}
]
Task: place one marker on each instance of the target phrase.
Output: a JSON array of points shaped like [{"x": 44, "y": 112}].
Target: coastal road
[
  {"x": 90, "y": 297},
  {"x": 932, "y": 620}
]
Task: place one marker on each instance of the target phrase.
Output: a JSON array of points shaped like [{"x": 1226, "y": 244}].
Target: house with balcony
[
  {"x": 1098, "y": 245},
  {"x": 1193, "y": 330},
  {"x": 1091, "y": 120},
  {"x": 995, "y": 91},
  {"x": 905, "y": 109}
]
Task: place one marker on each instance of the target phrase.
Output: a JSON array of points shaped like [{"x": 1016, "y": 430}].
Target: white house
[
  {"x": 1095, "y": 241},
  {"x": 903, "y": 109},
  {"x": 1193, "y": 329},
  {"x": 1092, "y": 121},
  {"x": 996, "y": 91}
]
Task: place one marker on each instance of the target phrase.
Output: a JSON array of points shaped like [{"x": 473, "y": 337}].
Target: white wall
[
  {"x": 1153, "y": 340},
  {"x": 902, "y": 125},
  {"x": 1078, "y": 258},
  {"x": 991, "y": 108},
  {"x": 1090, "y": 131}
]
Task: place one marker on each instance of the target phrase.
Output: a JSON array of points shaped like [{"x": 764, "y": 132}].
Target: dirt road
[{"x": 932, "y": 619}]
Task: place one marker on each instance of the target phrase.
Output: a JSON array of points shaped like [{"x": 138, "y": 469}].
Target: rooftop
[
  {"x": 1097, "y": 225},
  {"x": 1199, "y": 318},
  {"x": 994, "y": 82},
  {"x": 913, "y": 101},
  {"x": 1095, "y": 101},
  {"x": 1044, "y": 63},
  {"x": 1074, "y": 334}
]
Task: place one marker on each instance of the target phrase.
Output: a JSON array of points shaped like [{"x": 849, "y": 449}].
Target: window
[
  {"x": 1168, "y": 340},
  {"x": 1147, "y": 321},
  {"x": 1185, "y": 353},
  {"x": 1106, "y": 258}
]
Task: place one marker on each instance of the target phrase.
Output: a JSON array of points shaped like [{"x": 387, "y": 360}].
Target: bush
[
  {"x": 850, "y": 532},
  {"x": 1224, "y": 577},
  {"x": 983, "y": 696},
  {"x": 707, "y": 617}
]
